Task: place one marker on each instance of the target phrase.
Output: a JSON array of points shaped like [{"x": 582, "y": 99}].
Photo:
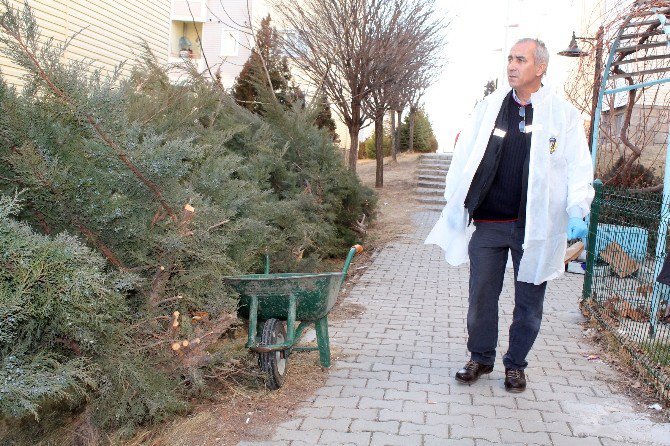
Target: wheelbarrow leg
[{"x": 321, "y": 328}]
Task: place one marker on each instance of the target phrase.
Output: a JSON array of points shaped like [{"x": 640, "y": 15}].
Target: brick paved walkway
[{"x": 395, "y": 386}]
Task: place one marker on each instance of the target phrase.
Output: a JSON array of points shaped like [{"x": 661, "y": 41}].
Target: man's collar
[
  {"x": 536, "y": 97},
  {"x": 517, "y": 100}
]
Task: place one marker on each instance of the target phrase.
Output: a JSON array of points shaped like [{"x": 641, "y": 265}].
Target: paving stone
[
  {"x": 458, "y": 409},
  {"x": 371, "y": 403},
  {"x": 480, "y": 442},
  {"x": 340, "y": 438},
  {"x": 464, "y": 420},
  {"x": 431, "y": 440},
  {"x": 568, "y": 440},
  {"x": 357, "y": 391},
  {"x": 496, "y": 422},
  {"x": 400, "y": 415},
  {"x": 542, "y": 406},
  {"x": 327, "y": 401},
  {"x": 437, "y": 408},
  {"x": 498, "y": 401},
  {"x": 439, "y": 430},
  {"x": 382, "y": 439},
  {"x": 329, "y": 391},
  {"x": 418, "y": 396},
  {"x": 409, "y": 377},
  {"x": 558, "y": 427},
  {"x": 519, "y": 414},
  {"x": 355, "y": 414},
  {"x": 509, "y": 436},
  {"x": 337, "y": 424},
  {"x": 389, "y": 427},
  {"x": 309, "y": 436},
  {"x": 316, "y": 412},
  {"x": 386, "y": 384},
  {"x": 349, "y": 381},
  {"x": 380, "y": 375},
  {"x": 484, "y": 433}
]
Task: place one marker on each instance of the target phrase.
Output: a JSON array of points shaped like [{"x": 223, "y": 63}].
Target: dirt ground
[
  {"x": 241, "y": 408},
  {"x": 397, "y": 200}
]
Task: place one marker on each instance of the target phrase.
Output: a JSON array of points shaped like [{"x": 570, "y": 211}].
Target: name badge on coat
[{"x": 500, "y": 133}]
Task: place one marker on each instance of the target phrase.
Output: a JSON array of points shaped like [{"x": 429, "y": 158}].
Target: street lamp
[{"x": 573, "y": 50}]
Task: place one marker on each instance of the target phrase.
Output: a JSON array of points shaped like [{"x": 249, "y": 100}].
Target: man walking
[{"x": 520, "y": 182}]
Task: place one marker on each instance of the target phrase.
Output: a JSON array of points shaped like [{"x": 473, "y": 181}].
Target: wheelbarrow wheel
[{"x": 274, "y": 364}]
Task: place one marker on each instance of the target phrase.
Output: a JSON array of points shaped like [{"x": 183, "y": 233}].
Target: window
[
  {"x": 294, "y": 42},
  {"x": 619, "y": 121},
  {"x": 230, "y": 42}
]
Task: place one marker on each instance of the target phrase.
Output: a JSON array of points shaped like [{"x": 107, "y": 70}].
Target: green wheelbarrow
[{"x": 268, "y": 300}]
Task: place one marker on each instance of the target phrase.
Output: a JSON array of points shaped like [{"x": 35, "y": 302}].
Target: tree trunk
[
  {"x": 353, "y": 147},
  {"x": 394, "y": 153},
  {"x": 354, "y": 129},
  {"x": 397, "y": 130},
  {"x": 379, "y": 149},
  {"x": 412, "y": 113}
]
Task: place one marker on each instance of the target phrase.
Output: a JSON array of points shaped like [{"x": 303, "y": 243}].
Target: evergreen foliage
[
  {"x": 175, "y": 186},
  {"x": 369, "y": 145},
  {"x": 266, "y": 55},
  {"x": 64, "y": 333},
  {"x": 424, "y": 139},
  {"x": 253, "y": 80},
  {"x": 324, "y": 119}
]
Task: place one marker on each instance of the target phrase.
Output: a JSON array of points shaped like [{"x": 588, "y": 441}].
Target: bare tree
[
  {"x": 407, "y": 37},
  {"x": 401, "y": 102},
  {"x": 422, "y": 81},
  {"x": 331, "y": 43}
]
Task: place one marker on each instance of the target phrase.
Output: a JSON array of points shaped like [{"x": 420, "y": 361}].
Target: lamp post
[{"x": 573, "y": 50}]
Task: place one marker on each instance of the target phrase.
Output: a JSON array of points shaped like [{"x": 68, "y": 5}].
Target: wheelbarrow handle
[{"x": 353, "y": 251}]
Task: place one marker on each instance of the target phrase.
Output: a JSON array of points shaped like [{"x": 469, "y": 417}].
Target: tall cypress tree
[
  {"x": 424, "y": 138},
  {"x": 324, "y": 120},
  {"x": 267, "y": 50}
]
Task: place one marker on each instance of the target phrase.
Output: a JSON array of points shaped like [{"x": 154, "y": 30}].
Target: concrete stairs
[{"x": 431, "y": 172}]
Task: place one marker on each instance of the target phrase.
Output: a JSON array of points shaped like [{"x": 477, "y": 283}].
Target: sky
[{"x": 478, "y": 40}]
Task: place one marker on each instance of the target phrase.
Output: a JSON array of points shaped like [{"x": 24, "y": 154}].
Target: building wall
[
  {"x": 108, "y": 31},
  {"x": 648, "y": 130},
  {"x": 225, "y": 40},
  {"x": 228, "y": 29}
]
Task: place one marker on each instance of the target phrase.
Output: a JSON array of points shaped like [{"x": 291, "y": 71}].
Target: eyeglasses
[{"x": 522, "y": 124}]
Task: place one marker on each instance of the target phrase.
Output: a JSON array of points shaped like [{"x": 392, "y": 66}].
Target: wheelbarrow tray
[{"x": 315, "y": 294}]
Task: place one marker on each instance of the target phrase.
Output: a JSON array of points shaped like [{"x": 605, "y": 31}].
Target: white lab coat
[{"x": 557, "y": 182}]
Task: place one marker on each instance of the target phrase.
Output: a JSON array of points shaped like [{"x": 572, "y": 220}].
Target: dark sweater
[{"x": 505, "y": 196}]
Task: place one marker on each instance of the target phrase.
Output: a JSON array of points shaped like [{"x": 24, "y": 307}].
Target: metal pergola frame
[{"x": 634, "y": 34}]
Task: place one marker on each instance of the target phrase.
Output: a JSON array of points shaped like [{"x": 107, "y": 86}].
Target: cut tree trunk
[
  {"x": 353, "y": 147},
  {"x": 379, "y": 150},
  {"x": 394, "y": 138},
  {"x": 397, "y": 131},
  {"x": 412, "y": 114},
  {"x": 354, "y": 125}
]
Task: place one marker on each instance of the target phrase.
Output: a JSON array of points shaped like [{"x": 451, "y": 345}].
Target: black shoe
[
  {"x": 472, "y": 371},
  {"x": 515, "y": 380}
]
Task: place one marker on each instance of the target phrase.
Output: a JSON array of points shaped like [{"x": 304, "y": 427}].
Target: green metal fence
[{"x": 625, "y": 250}]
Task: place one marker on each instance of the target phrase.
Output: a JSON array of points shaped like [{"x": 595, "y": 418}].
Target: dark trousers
[{"x": 488, "y": 251}]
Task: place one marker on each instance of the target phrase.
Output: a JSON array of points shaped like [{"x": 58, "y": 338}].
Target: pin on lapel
[{"x": 552, "y": 145}]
